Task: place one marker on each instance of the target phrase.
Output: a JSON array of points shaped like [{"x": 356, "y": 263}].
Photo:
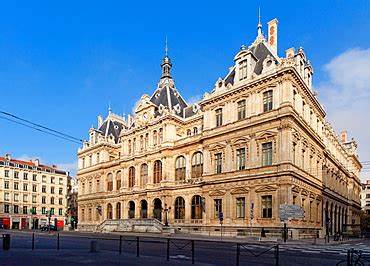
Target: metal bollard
[
  {"x": 93, "y": 246},
  {"x": 33, "y": 241},
  {"x": 168, "y": 249},
  {"x": 6, "y": 241},
  {"x": 120, "y": 244},
  {"x": 277, "y": 255},
  {"x": 237, "y": 254}
]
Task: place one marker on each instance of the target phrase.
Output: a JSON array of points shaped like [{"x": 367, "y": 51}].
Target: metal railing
[{"x": 139, "y": 245}]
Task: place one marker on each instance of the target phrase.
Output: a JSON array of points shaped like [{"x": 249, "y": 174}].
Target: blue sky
[{"x": 61, "y": 64}]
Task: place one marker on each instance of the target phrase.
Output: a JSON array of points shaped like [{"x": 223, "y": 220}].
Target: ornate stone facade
[{"x": 257, "y": 140}]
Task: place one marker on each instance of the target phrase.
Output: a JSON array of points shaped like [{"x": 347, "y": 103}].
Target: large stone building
[
  {"x": 31, "y": 194},
  {"x": 259, "y": 139}
]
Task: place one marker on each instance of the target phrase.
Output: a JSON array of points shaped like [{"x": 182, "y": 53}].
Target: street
[{"x": 74, "y": 250}]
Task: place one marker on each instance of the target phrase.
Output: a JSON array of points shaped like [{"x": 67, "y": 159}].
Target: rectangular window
[
  {"x": 52, "y": 211},
  {"x": 25, "y": 187},
  {"x": 15, "y": 185},
  {"x": 218, "y": 162},
  {"x": 25, "y": 176},
  {"x": 51, "y": 200},
  {"x": 240, "y": 158},
  {"x": 241, "y": 110},
  {"x": 16, "y": 197},
  {"x": 34, "y": 188},
  {"x": 60, "y": 211},
  {"x": 240, "y": 207},
  {"x": 218, "y": 117},
  {"x": 16, "y": 174},
  {"x": 267, "y": 101},
  {"x": 52, "y": 190},
  {"x": 6, "y": 173},
  {"x": 34, "y": 198},
  {"x": 6, "y": 196},
  {"x": 60, "y": 181},
  {"x": 60, "y": 201},
  {"x": 43, "y": 200},
  {"x": 43, "y": 189},
  {"x": 6, "y": 184},
  {"x": 61, "y": 190},
  {"x": 34, "y": 177},
  {"x": 243, "y": 70},
  {"x": 43, "y": 210},
  {"x": 16, "y": 209},
  {"x": 267, "y": 153},
  {"x": 25, "y": 210},
  {"x": 44, "y": 179},
  {"x": 25, "y": 198},
  {"x": 52, "y": 179},
  {"x": 218, "y": 207},
  {"x": 266, "y": 206},
  {"x": 6, "y": 208}
]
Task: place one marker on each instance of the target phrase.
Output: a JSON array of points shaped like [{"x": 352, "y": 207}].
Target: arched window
[
  {"x": 133, "y": 145},
  {"x": 131, "y": 176},
  {"x": 109, "y": 211},
  {"x": 110, "y": 182},
  {"x": 180, "y": 168},
  {"x": 196, "y": 207},
  {"x": 155, "y": 137},
  {"x": 146, "y": 141},
  {"x": 129, "y": 147},
  {"x": 141, "y": 142},
  {"x": 144, "y": 174},
  {"x": 160, "y": 135},
  {"x": 157, "y": 172},
  {"x": 118, "y": 180},
  {"x": 195, "y": 130},
  {"x": 197, "y": 165},
  {"x": 188, "y": 132},
  {"x": 179, "y": 208}
]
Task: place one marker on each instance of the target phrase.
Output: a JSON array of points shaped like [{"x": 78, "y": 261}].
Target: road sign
[{"x": 289, "y": 211}]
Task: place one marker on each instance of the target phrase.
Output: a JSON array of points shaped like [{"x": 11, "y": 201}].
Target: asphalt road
[{"x": 153, "y": 251}]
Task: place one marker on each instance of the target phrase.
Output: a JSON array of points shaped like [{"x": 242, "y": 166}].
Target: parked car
[{"x": 46, "y": 227}]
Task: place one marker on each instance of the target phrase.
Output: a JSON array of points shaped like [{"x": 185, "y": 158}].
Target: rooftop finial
[
  {"x": 109, "y": 108},
  {"x": 259, "y": 25},
  {"x": 166, "y": 48}
]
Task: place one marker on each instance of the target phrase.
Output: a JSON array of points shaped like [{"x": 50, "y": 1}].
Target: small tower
[{"x": 166, "y": 64}]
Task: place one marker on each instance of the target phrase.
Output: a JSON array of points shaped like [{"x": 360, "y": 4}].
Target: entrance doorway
[
  {"x": 144, "y": 209},
  {"x": 157, "y": 211}
]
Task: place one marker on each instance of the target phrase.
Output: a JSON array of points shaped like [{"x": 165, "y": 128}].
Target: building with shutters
[
  {"x": 31, "y": 193},
  {"x": 258, "y": 139}
]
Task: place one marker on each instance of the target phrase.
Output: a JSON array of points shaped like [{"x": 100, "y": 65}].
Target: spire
[
  {"x": 166, "y": 64},
  {"x": 259, "y": 25},
  {"x": 109, "y": 109}
]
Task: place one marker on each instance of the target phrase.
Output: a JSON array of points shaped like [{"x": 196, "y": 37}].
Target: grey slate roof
[
  {"x": 261, "y": 52},
  {"x": 111, "y": 127}
]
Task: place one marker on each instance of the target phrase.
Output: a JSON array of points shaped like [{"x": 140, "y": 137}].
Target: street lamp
[{"x": 166, "y": 210}]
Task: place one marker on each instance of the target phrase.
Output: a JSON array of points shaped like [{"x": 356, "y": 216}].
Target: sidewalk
[{"x": 73, "y": 257}]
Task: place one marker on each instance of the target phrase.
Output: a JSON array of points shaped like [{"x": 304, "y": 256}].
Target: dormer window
[{"x": 243, "y": 70}]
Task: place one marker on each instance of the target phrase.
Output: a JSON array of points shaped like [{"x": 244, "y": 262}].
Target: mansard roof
[
  {"x": 111, "y": 127},
  {"x": 260, "y": 51}
]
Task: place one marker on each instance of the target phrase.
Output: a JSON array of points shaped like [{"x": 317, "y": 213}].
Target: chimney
[
  {"x": 272, "y": 34},
  {"x": 37, "y": 162},
  {"x": 343, "y": 136},
  {"x": 7, "y": 156}
]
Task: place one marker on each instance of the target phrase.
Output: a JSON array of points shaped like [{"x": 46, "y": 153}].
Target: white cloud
[
  {"x": 194, "y": 99},
  {"x": 346, "y": 96},
  {"x": 69, "y": 167}
]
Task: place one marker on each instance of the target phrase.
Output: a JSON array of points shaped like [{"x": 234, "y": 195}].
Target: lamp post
[{"x": 166, "y": 210}]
